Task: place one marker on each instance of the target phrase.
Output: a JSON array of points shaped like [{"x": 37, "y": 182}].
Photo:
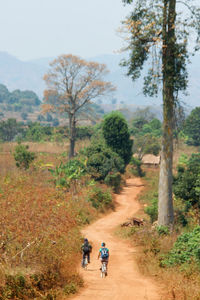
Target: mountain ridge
[{"x": 27, "y": 75}]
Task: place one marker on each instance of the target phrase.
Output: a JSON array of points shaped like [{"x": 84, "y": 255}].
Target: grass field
[{"x": 39, "y": 234}]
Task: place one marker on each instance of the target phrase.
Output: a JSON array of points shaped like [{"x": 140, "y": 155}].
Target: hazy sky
[{"x": 43, "y": 28}]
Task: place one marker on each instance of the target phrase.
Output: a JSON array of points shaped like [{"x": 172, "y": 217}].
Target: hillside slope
[{"x": 17, "y": 74}]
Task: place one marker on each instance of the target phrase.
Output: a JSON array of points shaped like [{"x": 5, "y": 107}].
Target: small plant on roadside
[
  {"x": 152, "y": 210},
  {"x": 114, "y": 180},
  {"x": 64, "y": 174},
  {"x": 100, "y": 198},
  {"x": 70, "y": 288},
  {"x": 162, "y": 230},
  {"x": 23, "y": 156}
]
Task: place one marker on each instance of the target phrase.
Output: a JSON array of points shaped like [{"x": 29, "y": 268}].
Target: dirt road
[{"x": 124, "y": 281}]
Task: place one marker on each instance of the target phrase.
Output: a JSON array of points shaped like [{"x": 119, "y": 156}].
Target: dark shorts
[
  {"x": 104, "y": 260},
  {"x": 86, "y": 254}
]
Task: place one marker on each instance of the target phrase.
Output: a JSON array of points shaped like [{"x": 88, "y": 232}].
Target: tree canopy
[
  {"x": 71, "y": 84},
  {"x": 159, "y": 32},
  {"x": 18, "y": 97},
  {"x": 187, "y": 181},
  {"x": 117, "y": 136},
  {"x": 147, "y": 27},
  {"x": 192, "y": 127}
]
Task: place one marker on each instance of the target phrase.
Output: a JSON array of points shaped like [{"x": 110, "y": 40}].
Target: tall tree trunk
[
  {"x": 72, "y": 134},
  {"x": 165, "y": 201}
]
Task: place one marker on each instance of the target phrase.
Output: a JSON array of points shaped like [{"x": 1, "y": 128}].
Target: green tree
[
  {"x": 146, "y": 144},
  {"x": 55, "y": 122},
  {"x": 37, "y": 132},
  {"x": 186, "y": 183},
  {"x": 24, "y": 97},
  {"x": 154, "y": 128},
  {"x": 192, "y": 127},
  {"x": 4, "y": 93},
  {"x": 24, "y": 116},
  {"x": 9, "y": 130},
  {"x": 137, "y": 125},
  {"x": 145, "y": 114},
  {"x": 102, "y": 161},
  {"x": 18, "y": 100},
  {"x": 117, "y": 136},
  {"x": 49, "y": 117},
  {"x": 159, "y": 31},
  {"x": 40, "y": 118}
]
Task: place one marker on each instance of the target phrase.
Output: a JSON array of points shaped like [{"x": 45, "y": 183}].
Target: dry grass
[
  {"x": 39, "y": 232},
  {"x": 45, "y": 147},
  {"x": 181, "y": 148}
]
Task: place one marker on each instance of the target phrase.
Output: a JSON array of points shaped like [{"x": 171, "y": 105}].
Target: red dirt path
[{"x": 124, "y": 281}]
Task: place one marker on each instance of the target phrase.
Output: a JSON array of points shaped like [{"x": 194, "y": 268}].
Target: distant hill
[{"x": 17, "y": 74}]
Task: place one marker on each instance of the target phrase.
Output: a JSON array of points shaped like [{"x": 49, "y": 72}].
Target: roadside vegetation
[
  {"x": 45, "y": 200},
  {"x": 172, "y": 257}
]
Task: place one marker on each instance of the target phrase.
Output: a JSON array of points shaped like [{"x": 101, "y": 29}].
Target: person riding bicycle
[
  {"x": 104, "y": 254},
  {"x": 86, "y": 250}
]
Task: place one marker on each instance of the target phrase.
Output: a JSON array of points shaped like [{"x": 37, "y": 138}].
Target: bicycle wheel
[
  {"x": 103, "y": 270},
  {"x": 85, "y": 263}
]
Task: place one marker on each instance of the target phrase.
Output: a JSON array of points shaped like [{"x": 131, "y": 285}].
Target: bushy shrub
[
  {"x": 140, "y": 127},
  {"x": 37, "y": 133},
  {"x": 162, "y": 230},
  {"x": 64, "y": 174},
  {"x": 146, "y": 144},
  {"x": 102, "y": 160},
  {"x": 100, "y": 198},
  {"x": 192, "y": 127},
  {"x": 114, "y": 180},
  {"x": 136, "y": 168},
  {"x": 83, "y": 132},
  {"x": 187, "y": 183},
  {"x": 17, "y": 287},
  {"x": 152, "y": 210},
  {"x": 70, "y": 288},
  {"x": 23, "y": 157},
  {"x": 55, "y": 122},
  {"x": 24, "y": 115},
  {"x": 9, "y": 129},
  {"x": 185, "y": 249},
  {"x": 117, "y": 136}
]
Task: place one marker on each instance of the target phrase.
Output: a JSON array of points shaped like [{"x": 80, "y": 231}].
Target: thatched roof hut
[{"x": 151, "y": 160}]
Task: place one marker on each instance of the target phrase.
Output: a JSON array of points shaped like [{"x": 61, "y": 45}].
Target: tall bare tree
[
  {"x": 72, "y": 83},
  {"x": 159, "y": 31}
]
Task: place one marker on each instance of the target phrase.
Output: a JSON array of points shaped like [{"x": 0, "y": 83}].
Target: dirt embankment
[{"x": 124, "y": 281}]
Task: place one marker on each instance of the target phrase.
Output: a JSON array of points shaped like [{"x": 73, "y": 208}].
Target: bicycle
[
  {"x": 103, "y": 269},
  {"x": 85, "y": 263}
]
